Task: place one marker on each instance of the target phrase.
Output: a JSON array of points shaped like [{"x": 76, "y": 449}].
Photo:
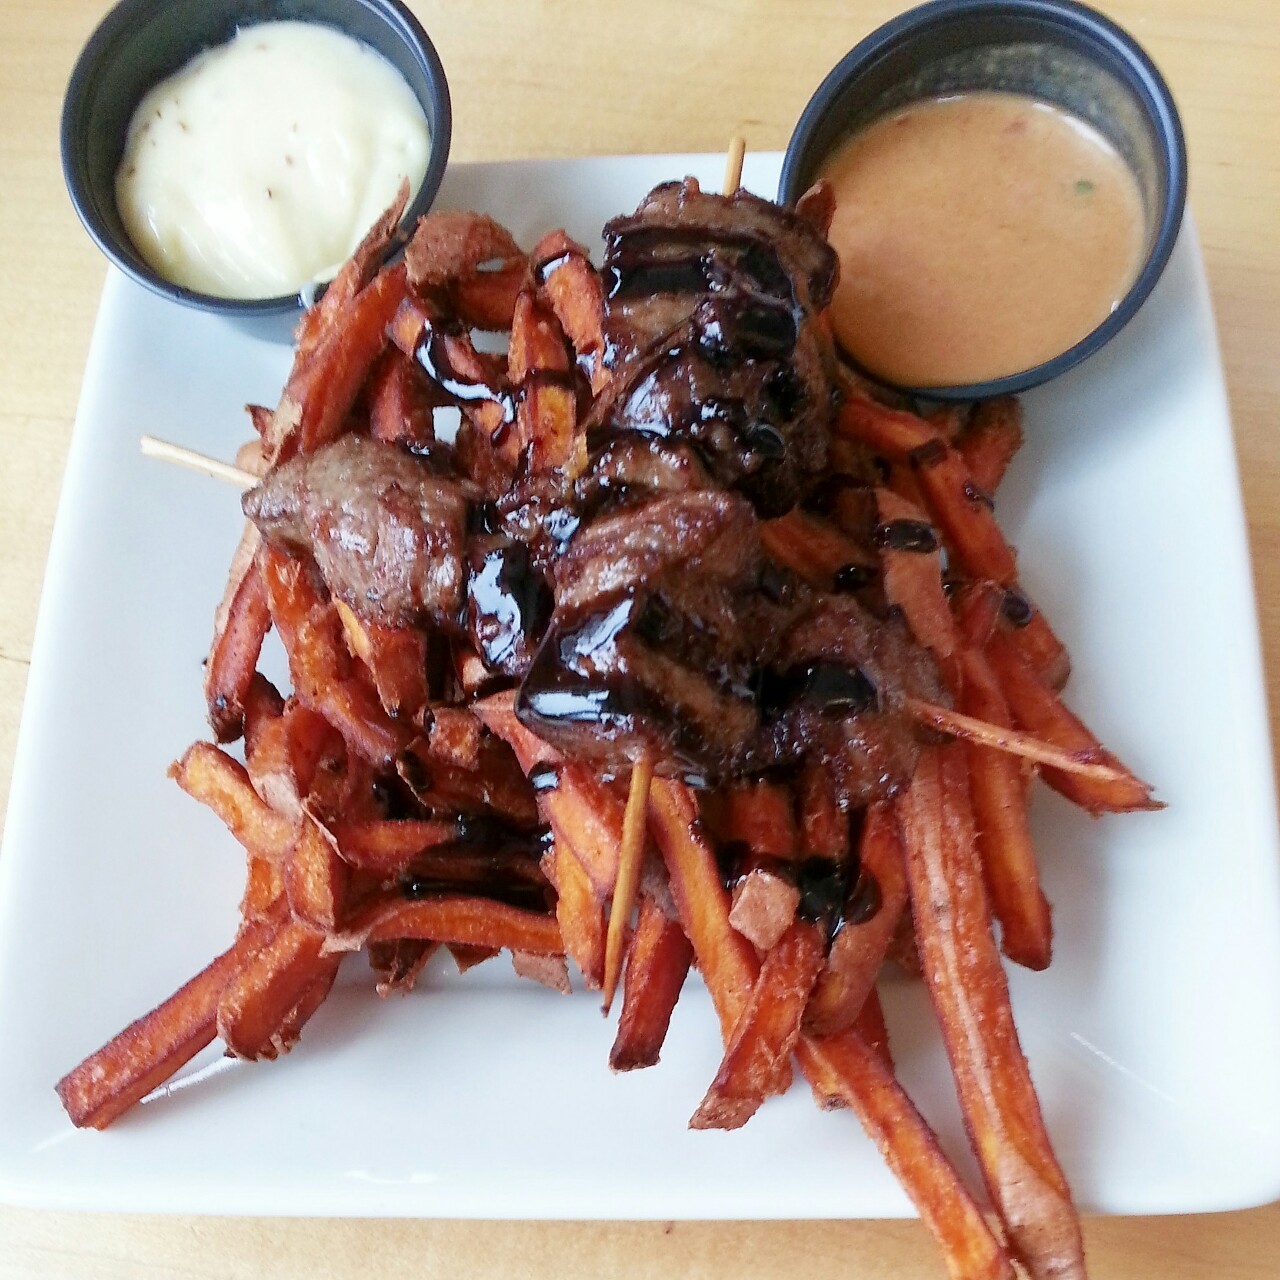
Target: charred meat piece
[
  {"x": 646, "y": 652},
  {"x": 711, "y": 336},
  {"x": 385, "y": 529},
  {"x": 833, "y": 695}
]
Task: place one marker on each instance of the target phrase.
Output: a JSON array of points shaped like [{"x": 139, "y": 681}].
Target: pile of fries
[{"x": 364, "y": 796}]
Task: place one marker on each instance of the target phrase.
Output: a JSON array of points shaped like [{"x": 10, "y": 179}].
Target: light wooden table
[{"x": 550, "y": 78}]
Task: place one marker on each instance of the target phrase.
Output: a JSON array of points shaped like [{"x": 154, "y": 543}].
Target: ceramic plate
[{"x": 1153, "y": 1038}]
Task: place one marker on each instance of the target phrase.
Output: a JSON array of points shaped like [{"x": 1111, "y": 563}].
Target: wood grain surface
[{"x": 553, "y": 78}]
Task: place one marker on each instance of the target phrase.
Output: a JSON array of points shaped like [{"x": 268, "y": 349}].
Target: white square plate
[{"x": 1153, "y": 1039}]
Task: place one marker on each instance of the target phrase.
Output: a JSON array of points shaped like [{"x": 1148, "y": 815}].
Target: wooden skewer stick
[
  {"x": 1011, "y": 741},
  {"x": 630, "y": 862},
  {"x": 733, "y": 163},
  {"x": 168, "y": 452}
]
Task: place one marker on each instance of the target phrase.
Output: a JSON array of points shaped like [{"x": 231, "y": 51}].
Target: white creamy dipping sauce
[{"x": 258, "y": 167}]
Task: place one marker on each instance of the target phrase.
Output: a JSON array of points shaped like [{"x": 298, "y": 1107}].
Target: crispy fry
[
  {"x": 958, "y": 506},
  {"x": 824, "y": 830},
  {"x": 401, "y": 402},
  {"x": 811, "y": 547},
  {"x": 320, "y": 667},
  {"x": 913, "y": 579},
  {"x": 316, "y": 878},
  {"x": 390, "y": 849},
  {"x": 989, "y": 441},
  {"x": 568, "y": 281},
  {"x": 211, "y": 776},
  {"x": 255, "y": 1012},
  {"x": 147, "y": 1052},
  {"x": 1038, "y": 710},
  {"x": 487, "y": 299},
  {"x": 239, "y": 627},
  {"x": 476, "y": 922},
  {"x": 757, "y": 1057},
  {"x": 872, "y": 1029},
  {"x": 658, "y": 962},
  {"x": 759, "y": 815},
  {"x": 579, "y": 912},
  {"x": 493, "y": 784},
  {"x": 329, "y": 314},
  {"x": 971, "y": 998},
  {"x": 860, "y": 948},
  {"x": 728, "y": 964},
  {"x": 284, "y": 755},
  {"x": 998, "y": 792},
  {"x": 326, "y": 380},
  {"x": 846, "y": 1072}
]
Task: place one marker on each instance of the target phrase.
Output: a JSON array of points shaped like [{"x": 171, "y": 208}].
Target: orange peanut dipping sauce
[{"x": 979, "y": 235}]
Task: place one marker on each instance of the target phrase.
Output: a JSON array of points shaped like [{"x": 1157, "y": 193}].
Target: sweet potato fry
[
  {"x": 240, "y": 625},
  {"x": 493, "y": 785},
  {"x": 1037, "y": 709},
  {"x": 824, "y": 830},
  {"x": 326, "y": 379},
  {"x": 487, "y": 299},
  {"x": 760, "y": 815},
  {"x": 813, "y": 548},
  {"x": 860, "y": 947},
  {"x": 579, "y": 912},
  {"x": 284, "y": 755},
  {"x": 389, "y": 848},
  {"x": 971, "y": 998},
  {"x": 844, "y": 1071},
  {"x": 571, "y": 285},
  {"x": 211, "y": 776},
  {"x": 310, "y": 1001},
  {"x": 316, "y": 878},
  {"x": 263, "y": 888},
  {"x": 757, "y": 1058},
  {"x": 581, "y": 810},
  {"x": 958, "y": 506},
  {"x": 401, "y": 402},
  {"x": 657, "y": 965},
  {"x": 479, "y": 922},
  {"x": 871, "y": 1028},
  {"x": 913, "y": 578},
  {"x": 147, "y": 1052},
  {"x": 396, "y": 658},
  {"x": 254, "y": 1012},
  {"x": 990, "y": 439},
  {"x": 998, "y": 793},
  {"x": 728, "y": 964},
  {"x": 328, "y": 314},
  {"x": 319, "y": 664}
]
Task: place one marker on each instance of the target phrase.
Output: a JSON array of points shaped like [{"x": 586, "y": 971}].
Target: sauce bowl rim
[
  {"x": 1138, "y": 71},
  {"x": 82, "y": 84}
]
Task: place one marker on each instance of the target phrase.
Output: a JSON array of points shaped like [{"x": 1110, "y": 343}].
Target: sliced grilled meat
[
  {"x": 711, "y": 336},
  {"x": 386, "y": 530},
  {"x": 834, "y": 693}
]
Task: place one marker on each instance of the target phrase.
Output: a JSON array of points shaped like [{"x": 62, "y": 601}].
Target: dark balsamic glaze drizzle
[
  {"x": 431, "y": 352},
  {"x": 1016, "y": 609},
  {"x": 906, "y": 535},
  {"x": 853, "y": 577},
  {"x": 826, "y": 686},
  {"x": 978, "y": 496},
  {"x": 544, "y": 777}
]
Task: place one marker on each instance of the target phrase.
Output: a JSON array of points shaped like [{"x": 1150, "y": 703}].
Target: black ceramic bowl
[
  {"x": 140, "y": 42},
  {"x": 1054, "y": 50}
]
